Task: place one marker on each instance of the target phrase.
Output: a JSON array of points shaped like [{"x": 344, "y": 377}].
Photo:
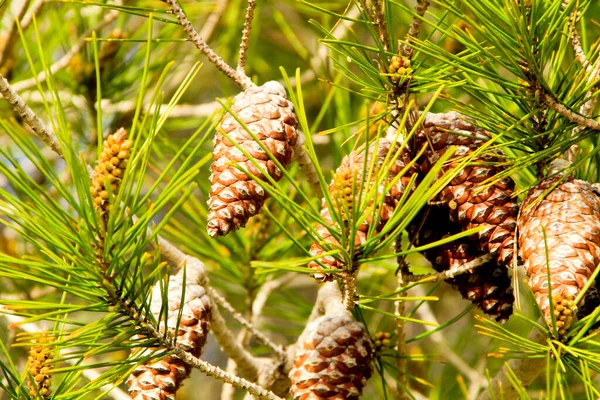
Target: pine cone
[
  {"x": 234, "y": 195},
  {"x": 161, "y": 378},
  {"x": 487, "y": 286},
  {"x": 347, "y": 181},
  {"x": 40, "y": 367},
  {"x": 569, "y": 215},
  {"x": 333, "y": 360},
  {"x": 110, "y": 168},
  {"x": 471, "y": 203}
]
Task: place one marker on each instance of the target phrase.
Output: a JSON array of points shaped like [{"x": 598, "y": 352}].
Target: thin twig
[
  {"x": 248, "y": 365},
  {"x": 525, "y": 369},
  {"x": 240, "y": 79},
  {"x": 452, "y": 272},
  {"x": 381, "y": 24},
  {"x": 35, "y": 123},
  {"x": 222, "y": 302},
  {"x": 399, "y": 305},
  {"x": 575, "y": 38},
  {"x": 64, "y": 61},
  {"x": 213, "y": 19},
  {"x": 11, "y": 37},
  {"x": 569, "y": 114},
  {"x": 414, "y": 30},
  {"x": 33, "y": 11},
  {"x": 241, "y": 66}
]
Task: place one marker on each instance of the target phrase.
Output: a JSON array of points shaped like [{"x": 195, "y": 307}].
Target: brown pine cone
[
  {"x": 332, "y": 361},
  {"x": 234, "y": 195},
  {"x": 346, "y": 183},
  {"x": 487, "y": 286},
  {"x": 110, "y": 168},
  {"x": 471, "y": 201},
  {"x": 569, "y": 216},
  {"x": 161, "y": 378}
]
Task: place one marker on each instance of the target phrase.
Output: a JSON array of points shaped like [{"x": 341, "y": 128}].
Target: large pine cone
[
  {"x": 234, "y": 195},
  {"x": 471, "y": 200},
  {"x": 487, "y": 286},
  {"x": 333, "y": 360},
  {"x": 161, "y": 378},
  {"x": 569, "y": 215},
  {"x": 348, "y": 182}
]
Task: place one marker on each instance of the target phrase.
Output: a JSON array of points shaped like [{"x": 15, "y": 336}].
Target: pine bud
[
  {"x": 40, "y": 368},
  {"x": 110, "y": 168}
]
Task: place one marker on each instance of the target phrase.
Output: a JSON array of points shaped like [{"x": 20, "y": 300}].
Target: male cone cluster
[
  {"x": 559, "y": 242},
  {"x": 40, "y": 368},
  {"x": 488, "y": 286},
  {"x": 475, "y": 197},
  {"x": 110, "y": 169},
  {"x": 333, "y": 360},
  {"x": 234, "y": 195},
  {"x": 159, "y": 379},
  {"x": 359, "y": 172}
]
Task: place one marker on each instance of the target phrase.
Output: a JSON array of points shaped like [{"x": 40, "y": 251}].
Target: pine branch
[
  {"x": 401, "y": 362},
  {"x": 33, "y": 11},
  {"x": 241, "y": 66},
  {"x": 240, "y": 79},
  {"x": 574, "y": 18},
  {"x": 381, "y": 23},
  {"x": 35, "y": 123},
  {"x": 569, "y": 114},
  {"x": 249, "y": 365},
  {"x": 414, "y": 31},
  {"x": 586, "y": 108},
  {"x": 11, "y": 37},
  {"x": 261, "y": 337},
  {"x": 525, "y": 369},
  {"x": 452, "y": 272}
]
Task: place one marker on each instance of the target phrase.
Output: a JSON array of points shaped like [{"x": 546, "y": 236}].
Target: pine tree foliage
[{"x": 106, "y": 144}]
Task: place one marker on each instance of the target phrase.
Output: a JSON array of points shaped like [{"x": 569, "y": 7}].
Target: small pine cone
[
  {"x": 488, "y": 286},
  {"x": 40, "y": 367},
  {"x": 332, "y": 361},
  {"x": 234, "y": 195},
  {"x": 569, "y": 216},
  {"x": 346, "y": 182},
  {"x": 161, "y": 378},
  {"x": 110, "y": 168},
  {"x": 472, "y": 204}
]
